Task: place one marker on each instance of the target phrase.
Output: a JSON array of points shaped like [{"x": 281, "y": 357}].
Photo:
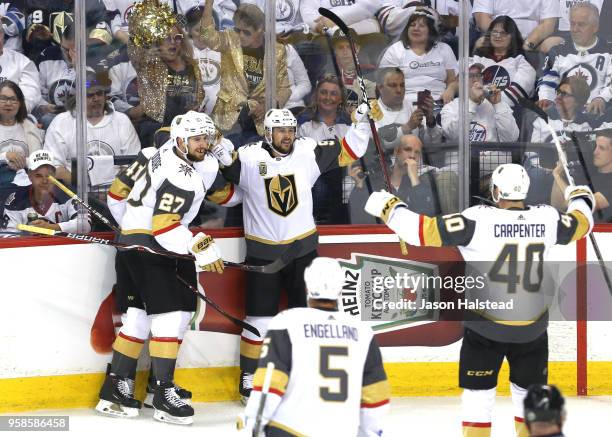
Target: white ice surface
[{"x": 431, "y": 416}]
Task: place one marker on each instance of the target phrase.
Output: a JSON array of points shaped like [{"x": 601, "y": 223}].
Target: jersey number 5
[{"x": 325, "y": 353}]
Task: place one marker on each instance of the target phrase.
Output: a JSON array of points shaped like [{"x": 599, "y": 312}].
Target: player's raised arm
[
  {"x": 331, "y": 154},
  {"x": 577, "y": 222},
  {"x": 418, "y": 229}
]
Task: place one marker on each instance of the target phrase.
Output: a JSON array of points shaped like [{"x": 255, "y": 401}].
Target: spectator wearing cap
[
  {"x": 427, "y": 63},
  {"x": 18, "y": 68},
  {"x": 109, "y": 132},
  {"x": 600, "y": 174},
  {"x": 348, "y": 72},
  {"x": 503, "y": 45},
  {"x": 41, "y": 203},
  {"x": 240, "y": 107},
  {"x": 491, "y": 120},
  {"x": 169, "y": 79},
  {"x": 19, "y": 136}
]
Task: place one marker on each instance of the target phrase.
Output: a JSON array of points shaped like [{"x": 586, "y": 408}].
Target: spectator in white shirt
[
  {"x": 536, "y": 19},
  {"x": 400, "y": 116},
  {"x": 108, "y": 132},
  {"x": 427, "y": 64},
  {"x": 19, "y": 136},
  {"x": 491, "y": 120},
  {"x": 18, "y": 68}
]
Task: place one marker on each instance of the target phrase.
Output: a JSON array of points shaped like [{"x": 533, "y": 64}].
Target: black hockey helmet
[{"x": 543, "y": 403}]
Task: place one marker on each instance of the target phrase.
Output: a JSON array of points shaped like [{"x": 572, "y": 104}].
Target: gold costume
[
  {"x": 150, "y": 23},
  {"x": 234, "y": 91}
]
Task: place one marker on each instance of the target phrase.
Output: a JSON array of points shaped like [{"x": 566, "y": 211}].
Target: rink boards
[{"x": 56, "y": 325}]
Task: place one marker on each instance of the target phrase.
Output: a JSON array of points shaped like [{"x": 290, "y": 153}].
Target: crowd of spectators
[{"x": 209, "y": 56}]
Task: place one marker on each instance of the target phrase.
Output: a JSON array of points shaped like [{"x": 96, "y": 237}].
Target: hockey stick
[
  {"x": 528, "y": 104},
  {"x": 272, "y": 267},
  {"x": 262, "y": 401},
  {"x": 344, "y": 28},
  {"x": 210, "y": 302},
  {"x": 78, "y": 200}
]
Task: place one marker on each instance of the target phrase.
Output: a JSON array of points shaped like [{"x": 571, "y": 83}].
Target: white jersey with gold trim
[
  {"x": 506, "y": 249},
  {"x": 164, "y": 200},
  {"x": 325, "y": 362},
  {"x": 277, "y": 190}
]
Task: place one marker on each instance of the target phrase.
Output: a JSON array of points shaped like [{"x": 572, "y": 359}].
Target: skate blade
[
  {"x": 162, "y": 416},
  {"x": 115, "y": 410},
  {"x": 148, "y": 402}
]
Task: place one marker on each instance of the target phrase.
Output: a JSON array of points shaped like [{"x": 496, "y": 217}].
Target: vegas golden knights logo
[{"x": 281, "y": 193}]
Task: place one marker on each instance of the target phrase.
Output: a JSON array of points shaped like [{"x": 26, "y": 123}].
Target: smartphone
[{"x": 421, "y": 97}]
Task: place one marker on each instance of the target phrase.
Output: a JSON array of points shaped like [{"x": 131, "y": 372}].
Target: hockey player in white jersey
[
  {"x": 509, "y": 234},
  {"x": 165, "y": 198},
  {"x": 218, "y": 191},
  {"x": 276, "y": 176},
  {"x": 324, "y": 362}
]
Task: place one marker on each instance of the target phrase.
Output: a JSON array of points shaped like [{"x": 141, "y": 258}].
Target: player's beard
[
  {"x": 194, "y": 158},
  {"x": 280, "y": 149}
]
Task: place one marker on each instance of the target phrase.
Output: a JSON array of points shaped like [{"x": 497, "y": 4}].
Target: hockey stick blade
[
  {"x": 209, "y": 301},
  {"x": 336, "y": 19}
]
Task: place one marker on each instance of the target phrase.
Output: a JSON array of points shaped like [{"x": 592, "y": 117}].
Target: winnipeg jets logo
[
  {"x": 477, "y": 132},
  {"x": 211, "y": 71},
  {"x": 586, "y": 72},
  {"x": 185, "y": 169},
  {"x": 284, "y": 10}
]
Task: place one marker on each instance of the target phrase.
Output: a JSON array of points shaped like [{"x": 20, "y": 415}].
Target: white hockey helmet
[
  {"x": 278, "y": 118},
  {"x": 191, "y": 124},
  {"x": 512, "y": 181},
  {"x": 324, "y": 279}
]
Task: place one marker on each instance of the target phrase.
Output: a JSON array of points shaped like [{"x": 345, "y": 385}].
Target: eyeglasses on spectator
[
  {"x": 7, "y": 99},
  {"x": 176, "y": 39}
]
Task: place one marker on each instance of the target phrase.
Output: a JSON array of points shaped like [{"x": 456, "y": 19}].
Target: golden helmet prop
[{"x": 150, "y": 22}]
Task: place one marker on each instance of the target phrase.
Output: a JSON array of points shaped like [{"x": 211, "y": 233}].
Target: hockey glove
[
  {"x": 381, "y": 204},
  {"x": 580, "y": 192},
  {"x": 223, "y": 155},
  {"x": 364, "y": 111},
  {"x": 207, "y": 254}
]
